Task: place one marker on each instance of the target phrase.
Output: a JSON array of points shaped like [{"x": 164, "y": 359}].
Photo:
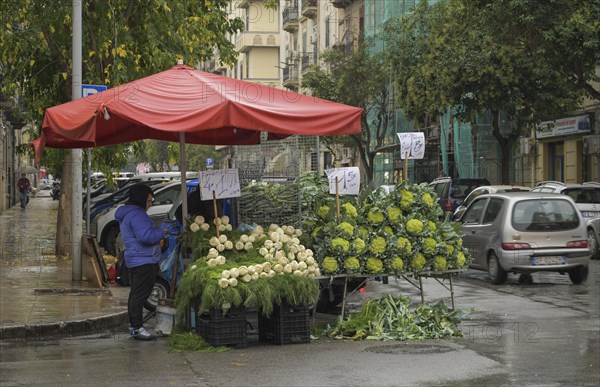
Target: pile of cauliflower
[{"x": 279, "y": 248}]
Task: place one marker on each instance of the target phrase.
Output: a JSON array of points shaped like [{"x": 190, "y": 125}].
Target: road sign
[
  {"x": 87, "y": 90},
  {"x": 210, "y": 163}
]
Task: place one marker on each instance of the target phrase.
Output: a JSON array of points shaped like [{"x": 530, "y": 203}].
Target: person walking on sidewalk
[
  {"x": 24, "y": 186},
  {"x": 141, "y": 241}
]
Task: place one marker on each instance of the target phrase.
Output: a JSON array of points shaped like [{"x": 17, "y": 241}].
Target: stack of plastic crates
[
  {"x": 287, "y": 325},
  {"x": 223, "y": 328}
]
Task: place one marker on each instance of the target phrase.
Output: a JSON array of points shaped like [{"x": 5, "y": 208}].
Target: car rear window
[
  {"x": 584, "y": 195},
  {"x": 544, "y": 215}
]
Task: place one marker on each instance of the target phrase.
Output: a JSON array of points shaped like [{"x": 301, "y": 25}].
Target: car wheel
[
  {"x": 110, "y": 240},
  {"x": 578, "y": 274},
  {"x": 495, "y": 271},
  {"x": 160, "y": 290},
  {"x": 593, "y": 242}
]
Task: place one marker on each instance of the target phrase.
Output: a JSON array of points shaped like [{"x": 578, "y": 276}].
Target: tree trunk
[{"x": 64, "y": 219}]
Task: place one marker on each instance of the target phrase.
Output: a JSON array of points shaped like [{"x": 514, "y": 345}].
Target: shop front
[{"x": 567, "y": 150}]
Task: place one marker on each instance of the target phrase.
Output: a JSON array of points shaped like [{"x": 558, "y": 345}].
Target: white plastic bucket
[{"x": 166, "y": 318}]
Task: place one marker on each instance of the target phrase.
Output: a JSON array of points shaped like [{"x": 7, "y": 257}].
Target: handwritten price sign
[
  {"x": 225, "y": 183},
  {"x": 412, "y": 144},
  {"x": 348, "y": 180}
]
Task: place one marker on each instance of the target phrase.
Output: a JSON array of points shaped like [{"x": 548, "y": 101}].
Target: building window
[
  {"x": 557, "y": 161},
  {"x": 327, "y": 31}
]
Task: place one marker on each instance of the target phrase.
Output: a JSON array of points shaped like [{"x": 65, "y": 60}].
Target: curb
[{"x": 62, "y": 329}]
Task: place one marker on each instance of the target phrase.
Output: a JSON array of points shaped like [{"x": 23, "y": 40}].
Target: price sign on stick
[
  {"x": 225, "y": 183},
  {"x": 348, "y": 180},
  {"x": 412, "y": 145}
]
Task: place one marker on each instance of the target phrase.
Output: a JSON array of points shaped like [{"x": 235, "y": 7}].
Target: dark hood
[{"x": 138, "y": 194}]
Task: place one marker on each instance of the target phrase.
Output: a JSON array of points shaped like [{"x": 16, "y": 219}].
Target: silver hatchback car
[{"x": 525, "y": 232}]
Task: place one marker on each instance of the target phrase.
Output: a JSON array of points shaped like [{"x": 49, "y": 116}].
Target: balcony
[
  {"x": 290, "y": 19},
  {"x": 250, "y": 39},
  {"x": 340, "y": 3},
  {"x": 309, "y": 8},
  {"x": 271, "y": 82},
  {"x": 290, "y": 77},
  {"x": 308, "y": 59}
]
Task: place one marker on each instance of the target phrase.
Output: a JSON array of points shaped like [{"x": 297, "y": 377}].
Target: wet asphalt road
[{"x": 543, "y": 334}]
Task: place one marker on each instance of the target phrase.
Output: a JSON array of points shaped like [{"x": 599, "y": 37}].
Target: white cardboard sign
[
  {"x": 224, "y": 182},
  {"x": 348, "y": 180},
  {"x": 413, "y": 144}
]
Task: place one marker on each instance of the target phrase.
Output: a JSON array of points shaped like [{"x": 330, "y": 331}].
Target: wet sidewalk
[{"x": 37, "y": 293}]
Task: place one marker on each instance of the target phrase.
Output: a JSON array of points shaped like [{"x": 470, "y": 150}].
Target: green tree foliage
[
  {"x": 525, "y": 58},
  {"x": 359, "y": 79},
  {"x": 163, "y": 155},
  {"x": 122, "y": 41}
]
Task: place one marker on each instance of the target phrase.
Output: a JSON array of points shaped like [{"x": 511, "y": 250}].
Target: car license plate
[
  {"x": 548, "y": 260},
  {"x": 590, "y": 214}
]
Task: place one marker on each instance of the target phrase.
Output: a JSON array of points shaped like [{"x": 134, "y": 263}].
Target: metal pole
[
  {"x": 88, "y": 191},
  {"x": 76, "y": 229},
  {"x": 184, "y": 203}
]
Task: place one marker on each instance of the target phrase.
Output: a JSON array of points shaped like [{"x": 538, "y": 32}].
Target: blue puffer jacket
[{"x": 140, "y": 236}]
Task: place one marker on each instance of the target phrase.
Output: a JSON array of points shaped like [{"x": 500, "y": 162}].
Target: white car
[
  {"x": 486, "y": 189},
  {"x": 586, "y": 195},
  {"x": 108, "y": 227}
]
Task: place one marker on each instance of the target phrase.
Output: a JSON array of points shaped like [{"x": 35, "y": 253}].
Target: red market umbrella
[
  {"x": 206, "y": 108},
  {"x": 191, "y": 106}
]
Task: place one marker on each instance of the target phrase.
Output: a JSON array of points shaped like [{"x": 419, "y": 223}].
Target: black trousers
[{"x": 142, "y": 282}]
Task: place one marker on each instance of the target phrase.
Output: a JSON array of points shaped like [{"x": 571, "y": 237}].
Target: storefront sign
[{"x": 565, "y": 126}]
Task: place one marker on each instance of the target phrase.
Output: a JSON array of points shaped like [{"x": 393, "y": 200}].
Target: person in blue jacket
[{"x": 142, "y": 253}]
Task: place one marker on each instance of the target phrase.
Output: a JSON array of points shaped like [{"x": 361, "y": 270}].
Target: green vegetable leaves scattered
[{"x": 390, "y": 318}]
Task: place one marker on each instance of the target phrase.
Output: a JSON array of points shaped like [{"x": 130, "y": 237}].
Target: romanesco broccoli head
[
  {"x": 397, "y": 264},
  {"x": 340, "y": 243},
  {"x": 404, "y": 244},
  {"x": 378, "y": 245},
  {"x": 418, "y": 262},
  {"x": 407, "y": 199},
  {"x": 414, "y": 227},
  {"x": 349, "y": 210},
  {"x": 460, "y": 259},
  {"x": 346, "y": 228},
  {"x": 374, "y": 265},
  {"x": 388, "y": 230},
  {"x": 330, "y": 265},
  {"x": 393, "y": 214},
  {"x": 427, "y": 199},
  {"x": 375, "y": 216},
  {"x": 429, "y": 245},
  {"x": 439, "y": 263},
  {"x": 323, "y": 211},
  {"x": 449, "y": 248},
  {"x": 352, "y": 264},
  {"x": 431, "y": 225},
  {"x": 359, "y": 245}
]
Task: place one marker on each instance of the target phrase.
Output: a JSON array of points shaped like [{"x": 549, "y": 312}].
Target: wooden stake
[
  {"x": 337, "y": 198},
  {"x": 405, "y": 171},
  {"x": 216, "y": 213}
]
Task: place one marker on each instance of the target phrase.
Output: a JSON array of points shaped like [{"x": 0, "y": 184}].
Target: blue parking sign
[
  {"x": 210, "y": 163},
  {"x": 87, "y": 90}
]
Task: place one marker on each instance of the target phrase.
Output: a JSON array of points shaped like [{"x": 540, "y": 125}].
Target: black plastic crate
[
  {"x": 287, "y": 325},
  {"x": 218, "y": 329}
]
